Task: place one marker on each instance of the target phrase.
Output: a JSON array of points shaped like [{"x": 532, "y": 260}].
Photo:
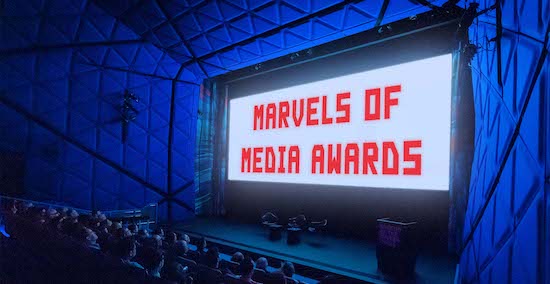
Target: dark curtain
[{"x": 210, "y": 161}]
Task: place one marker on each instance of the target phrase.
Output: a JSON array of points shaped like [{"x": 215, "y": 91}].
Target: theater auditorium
[{"x": 275, "y": 141}]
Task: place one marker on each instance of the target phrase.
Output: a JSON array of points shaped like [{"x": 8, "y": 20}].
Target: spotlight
[
  {"x": 258, "y": 66},
  {"x": 294, "y": 56},
  {"x": 309, "y": 52}
]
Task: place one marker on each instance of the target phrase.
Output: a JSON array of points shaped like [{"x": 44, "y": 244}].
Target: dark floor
[{"x": 349, "y": 257}]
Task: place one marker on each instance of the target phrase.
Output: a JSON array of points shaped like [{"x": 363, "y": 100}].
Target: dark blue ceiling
[{"x": 209, "y": 38}]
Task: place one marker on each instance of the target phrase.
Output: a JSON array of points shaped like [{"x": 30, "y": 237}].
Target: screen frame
[
  {"x": 431, "y": 38},
  {"x": 324, "y": 185}
]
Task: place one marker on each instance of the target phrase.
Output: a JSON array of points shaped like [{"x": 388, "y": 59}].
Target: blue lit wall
[
  {"x": 65, "y": 63},
  {"x": 507, "y": 222},
  {"x": 65, "y": 66}
]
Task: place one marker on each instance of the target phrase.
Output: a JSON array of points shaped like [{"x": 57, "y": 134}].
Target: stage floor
[{"x": 349, "y": 257}]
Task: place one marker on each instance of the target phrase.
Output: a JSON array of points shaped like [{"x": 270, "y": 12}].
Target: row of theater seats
[
  {"x": 205, "y": 274},
  {"x": 35, "y": 255}
]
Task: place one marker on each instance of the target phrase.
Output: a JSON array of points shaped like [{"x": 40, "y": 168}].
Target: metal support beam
[
  {"x": 46, "y": 48},
  {"x": 139, "y": 73}
]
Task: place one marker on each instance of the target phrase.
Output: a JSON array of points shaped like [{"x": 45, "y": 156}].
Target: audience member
[
  {"x": 262, "y": 264},
  {"x": 157, "y": 241},
  {"x": 142, "y": 235},
  {"x": 288, "y": 269},
  {"x": 237, "y": 257},
  {"x": 201, "y": 245},
  {"x": 159, "y": 231},
  {"x": 153, "y": 261},
  {"x": 170, "y": 239},
  {"x": 89, "y": 238},
  {"x": 126, "y": 250},
  {"x": 247, "y": 270},
  {"x": 211, "y": 258},
  {"x": 180, "y": 249},
  {"x": 199, "y": 252},
  {"x": 97, "y": 232},
  {"x": 133, "y": 229},
  {"x": 186, "y": 238}
]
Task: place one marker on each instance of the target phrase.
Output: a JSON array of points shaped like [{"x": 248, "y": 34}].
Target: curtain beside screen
[{"x": 209, "y": 162}]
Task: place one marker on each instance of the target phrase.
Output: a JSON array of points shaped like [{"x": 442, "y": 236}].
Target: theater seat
[
  {"x": 232, "y": 266},
  {"x": 192, "y": 265},
  {"x": 290, "y": 280},
  {"x": 232, "y": 279},
  {"x": 272, "y": 278},
  {"x": 259, "y": 275},
  {"x": 207, "y": 275}
]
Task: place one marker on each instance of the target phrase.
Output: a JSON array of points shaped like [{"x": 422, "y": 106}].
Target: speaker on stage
[
  {"x": 12, "y": 173},
  {"x": 396, "y": 248}
]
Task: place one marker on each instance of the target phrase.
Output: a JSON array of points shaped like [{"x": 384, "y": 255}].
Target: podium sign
[{"x": 396, "y": 248}]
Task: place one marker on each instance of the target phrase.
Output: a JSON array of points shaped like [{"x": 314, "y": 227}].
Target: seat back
[
  {"x": 289, "y": 280},
  {"x": 232, "y": 279},
  {"x": 207, "y": 275},
  {"x": 187, "y": 262},
  {"x": 274, "y": 278},
  {"x": 259, "y": 275},
  {"x": 230, "y": 265}
]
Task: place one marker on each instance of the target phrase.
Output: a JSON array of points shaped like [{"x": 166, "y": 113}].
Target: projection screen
[{"x": 382, "y": 128}]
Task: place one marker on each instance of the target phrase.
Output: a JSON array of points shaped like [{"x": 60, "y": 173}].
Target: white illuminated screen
[{"x": 422, "y": 113}]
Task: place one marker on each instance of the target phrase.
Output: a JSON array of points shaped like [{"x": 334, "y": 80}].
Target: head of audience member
[
  {"x": 186, "y": 238},
  {"x": 212, "y": 257},
  {"x": 288, "y": 269},
  {"x": 159, "y": 231},
  {"x": 157, "y": 241},
  {"x": 153, "y": 261},
  {"x": 101, "y": 217},
  {"x": 261, "y": 263},
  {"x": 73, "y": 214},
  {"x": 247, "y": 268},
  {"x": 171, "y": 238},
  {"x": 125, "y": 249},
  {"x": 181, "y": 248},
  {"x": 237, "y": 257},
  {"x": 26, "y": 206},
  {"x": 106, "y": 223},
  {"x": 116, "y": 226},
  {"x": 52, "y": 213},
  {"x": 201, "y": 245},
  {"x": 88, "y": 237},
  {"x": 142, "y": 234},
  {"x": 106, "y": 243},
  {"x": 64, "y": 211},
  {"x": 133, "y": 229}
]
